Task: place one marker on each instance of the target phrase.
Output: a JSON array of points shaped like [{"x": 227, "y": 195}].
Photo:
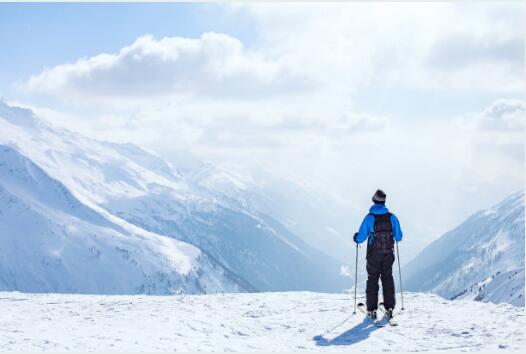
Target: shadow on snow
[{"x": 354, "y": 335}]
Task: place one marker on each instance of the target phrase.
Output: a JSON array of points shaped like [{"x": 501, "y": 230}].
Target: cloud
[
  {"x": 458, "y": 51},
  {"x": 336, "y": 49},
  {"x": 212, "y": 65},
  {"x": 430, "y": 46},
  {"x": 503, "y": 115},
  {"x": 494, "y": 140}
]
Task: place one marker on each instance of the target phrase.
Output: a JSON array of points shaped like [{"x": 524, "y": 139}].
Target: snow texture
[
  {"x": 501, "y": 287},
  {"x": 51, "y": 242},
  {"x": 489, "y": 242},
  {"x": 293, "y": 321},
  {"x": 133, "y": 186},
  {"x": 301, "y": 209}
]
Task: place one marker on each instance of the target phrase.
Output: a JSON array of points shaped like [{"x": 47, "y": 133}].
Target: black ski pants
[{"x": 380, "y": 266}]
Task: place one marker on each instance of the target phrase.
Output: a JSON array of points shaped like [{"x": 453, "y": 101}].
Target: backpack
[{"x": 382, "y": 241}]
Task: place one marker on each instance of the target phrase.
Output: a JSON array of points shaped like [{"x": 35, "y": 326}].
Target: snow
[
  {"x": 502, "y": 287},
  {"x": 487, "y": 243},
  {"x": 292, "y": 321},
  {"x": 50, "y": 241},
  {"x": 304, "y": 211},
  {"x": 82, "y": 216},
  {"x": 134, "y": 187}
]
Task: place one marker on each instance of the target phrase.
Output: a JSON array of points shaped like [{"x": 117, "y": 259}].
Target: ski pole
[
  {"x": 355, "y": 278},
  {"x": 400, "y": 274}
]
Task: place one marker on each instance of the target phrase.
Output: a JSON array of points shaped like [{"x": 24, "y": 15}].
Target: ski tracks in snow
[{"x": 293, "y": 321}]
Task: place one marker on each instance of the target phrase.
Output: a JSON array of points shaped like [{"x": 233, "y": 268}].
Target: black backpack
[{"x": 383, "y": 234}]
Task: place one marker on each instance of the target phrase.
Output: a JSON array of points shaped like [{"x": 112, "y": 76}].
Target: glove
[{"x": 355, "y": 238}]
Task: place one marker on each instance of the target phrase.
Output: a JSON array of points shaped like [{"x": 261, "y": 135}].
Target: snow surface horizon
[{"x": 289, "y": 321}]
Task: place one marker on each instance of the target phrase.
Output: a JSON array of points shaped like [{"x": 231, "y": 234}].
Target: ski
[
  {"x": 361, "y": 306},
  {"x": 391, "y": 321}
]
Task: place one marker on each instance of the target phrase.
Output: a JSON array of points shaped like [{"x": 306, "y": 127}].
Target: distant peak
[{"x": 18, "y": 115}]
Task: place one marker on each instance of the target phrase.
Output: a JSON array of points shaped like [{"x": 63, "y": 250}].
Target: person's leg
[
  {"x": 373, "y": 274},
  {"x": 388, "y": 286}
]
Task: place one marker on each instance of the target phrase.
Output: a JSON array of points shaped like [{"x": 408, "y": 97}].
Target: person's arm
[
  {"x": 365, "y": 229},
  {"x": 397, "y": 231}
]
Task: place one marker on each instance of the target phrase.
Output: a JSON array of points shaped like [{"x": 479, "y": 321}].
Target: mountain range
[
  {"x": 135, "y": 193},
  {"x": 82, "y": 215}
]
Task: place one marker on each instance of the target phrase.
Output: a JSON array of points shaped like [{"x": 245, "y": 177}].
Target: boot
[{"x": 389, "y": 314}]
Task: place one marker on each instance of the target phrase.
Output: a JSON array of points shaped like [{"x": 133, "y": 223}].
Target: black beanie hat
[{"x": 379, "y": 197}]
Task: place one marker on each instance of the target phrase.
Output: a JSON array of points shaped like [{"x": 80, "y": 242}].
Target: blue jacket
[{"x": 367, "y": 228}]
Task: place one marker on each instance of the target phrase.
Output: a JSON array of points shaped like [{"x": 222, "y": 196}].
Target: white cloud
[
  {"x": 501, "y": 115},
  {"x": 433, "y": 46},
  {"x": 309, "y": 65},
  {"x": 496, "y": 138},
  {"x": 214, "y": 64}
]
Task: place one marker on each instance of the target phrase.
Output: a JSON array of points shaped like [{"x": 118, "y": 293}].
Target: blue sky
[{"x": 40, "y": 35}]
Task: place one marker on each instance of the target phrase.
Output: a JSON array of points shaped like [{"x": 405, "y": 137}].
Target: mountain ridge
[
  {"x": 51, "y": 242},
  {"x": 132, "y": 184},
  {"x": 488, "y": 242}
]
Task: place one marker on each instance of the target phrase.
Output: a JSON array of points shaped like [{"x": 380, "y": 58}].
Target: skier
[{"x": 381, "y": 229}]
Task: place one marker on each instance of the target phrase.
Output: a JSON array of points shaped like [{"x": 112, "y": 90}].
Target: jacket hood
[{"x": 378, "y": 209}]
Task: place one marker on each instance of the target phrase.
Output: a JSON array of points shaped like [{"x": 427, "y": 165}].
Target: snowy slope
[
  {"x": 51, "y": 242},
  {"x": 501, "y": 287},
  {"x": 322, "y": 221},
  {"x": 488, "y": 242},
  {"x": 252, "y": 245},
  {"x": 293, "y": 321},
  {"x": 138, "y": 186}
]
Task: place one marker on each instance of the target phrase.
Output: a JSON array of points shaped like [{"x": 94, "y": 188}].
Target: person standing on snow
[{"x": 381, "y": 228}]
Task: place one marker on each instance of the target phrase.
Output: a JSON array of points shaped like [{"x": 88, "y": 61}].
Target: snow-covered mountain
[
  {"x": 324, "y": 222},
  {"x": 501, "y": 287},
  {"x": 51, "y": 242},
  {"x": 489, "y": 244},
  {"x": 236, "y": 231},
  {"x": 132, "y": 184}
]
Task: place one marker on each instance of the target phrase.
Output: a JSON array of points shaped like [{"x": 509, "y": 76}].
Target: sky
[{"x": 423, "y": 100}]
